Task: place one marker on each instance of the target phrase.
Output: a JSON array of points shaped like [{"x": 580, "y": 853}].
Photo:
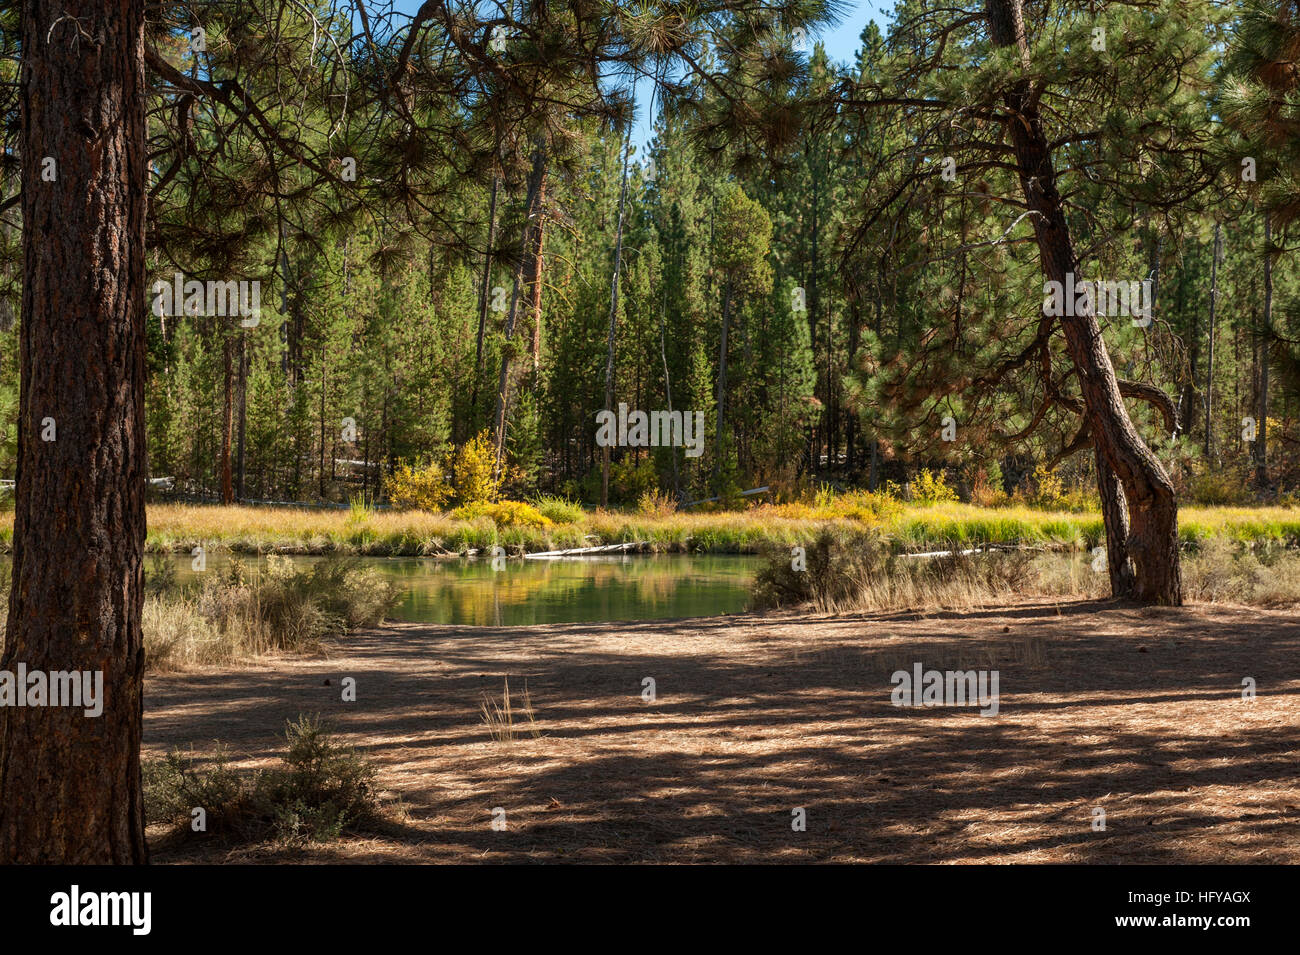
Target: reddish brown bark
[{"x": 70, "y": 784}]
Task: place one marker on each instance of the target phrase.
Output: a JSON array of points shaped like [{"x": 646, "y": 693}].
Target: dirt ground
[{"x": 1137, "y": 712}]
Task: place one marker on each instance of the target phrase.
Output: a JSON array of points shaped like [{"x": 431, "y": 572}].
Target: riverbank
[
  {"x": 1137, "y": 712},
  {"x": 179, "y": 528}
]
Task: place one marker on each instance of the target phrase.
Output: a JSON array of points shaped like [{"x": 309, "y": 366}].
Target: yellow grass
[{"x": 179, "y": 527}]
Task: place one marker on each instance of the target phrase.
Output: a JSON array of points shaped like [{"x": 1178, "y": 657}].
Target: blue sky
[{"x": 841, "y": 44}]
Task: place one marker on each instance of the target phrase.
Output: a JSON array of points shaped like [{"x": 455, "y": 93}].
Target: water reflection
[{"x": 469, "y": 592}]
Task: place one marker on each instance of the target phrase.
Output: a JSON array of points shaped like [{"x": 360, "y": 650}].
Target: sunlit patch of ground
[{"x": 1135, "y": 712}]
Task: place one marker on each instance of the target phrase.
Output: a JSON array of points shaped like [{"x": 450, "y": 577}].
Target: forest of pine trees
[
  {"x": 871, "y": 275},
  {"x": 847, "y": 272}
]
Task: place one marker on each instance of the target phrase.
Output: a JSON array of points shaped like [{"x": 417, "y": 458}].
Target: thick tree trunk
[
  {"x": 1115, "y": 517},
  {"x": 1152, "y": 535},
  {"x": 70, "y": 787}
]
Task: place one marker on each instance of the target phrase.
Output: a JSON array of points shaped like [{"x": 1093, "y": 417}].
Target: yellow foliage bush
[
  {"x": 424, "y": 488},
  {"x": 472, "y": 466},
  {"x": 504, "y": 514},
  {"x": 1048, "y": 488},
  {"x": 929, "y": 487},
  {"x": 656, "y": 503}
]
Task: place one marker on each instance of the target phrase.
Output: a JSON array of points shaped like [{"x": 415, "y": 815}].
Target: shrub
[
  {"x": 560, "y": 510},
  {"x": 424, "y": 488},
  {"x": 160, "y": 577},
  {"x": 629, "y": 480},
  {"x": 1220, "y": 571},
  {"x": 930, "y": 487},
  {"x": 833, "y": 563},
  {"x": 656, "y": 503},
  {"x": 863, "y": 506},
  {"x": 1217, "y": 487},
  {"x": 474, "y": 467},
  {"x": 288, "y": 608},
  {"x": 322, "y": 790},
  {"x": 504, "y": 514},
  {"x": 986, "y": 486},
  {"x": 1047, "y": 490},
  {"x": 175, "y": 786},
  {"x": 855, "y": 572}
]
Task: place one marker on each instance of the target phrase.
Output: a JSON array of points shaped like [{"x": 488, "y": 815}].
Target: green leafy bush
[{"x": 560, "y": 510}]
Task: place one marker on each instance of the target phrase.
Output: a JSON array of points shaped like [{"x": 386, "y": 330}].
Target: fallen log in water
[
  {"x": 584, "y": 551},
  {"x": 984, "y": 549}
]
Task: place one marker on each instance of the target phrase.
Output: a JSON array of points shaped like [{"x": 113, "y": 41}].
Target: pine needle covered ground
[{"x": 1135, "y": 712}]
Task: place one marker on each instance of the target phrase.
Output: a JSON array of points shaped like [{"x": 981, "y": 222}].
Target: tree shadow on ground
[{"x": 1136, "y": 713}]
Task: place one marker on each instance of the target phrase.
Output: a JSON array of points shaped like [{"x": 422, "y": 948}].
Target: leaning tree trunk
[
  {"x": 1152, "y": 534},
  {"x": 70, "y": 784}
]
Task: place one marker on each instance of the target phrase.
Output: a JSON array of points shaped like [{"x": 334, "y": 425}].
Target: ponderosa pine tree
[{"x": 1002, "y": 99}]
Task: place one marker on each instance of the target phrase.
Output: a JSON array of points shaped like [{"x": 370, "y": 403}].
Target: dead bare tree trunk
[
  {"x": 503, "y": 383},
  {"x": 613, "y": 319}
]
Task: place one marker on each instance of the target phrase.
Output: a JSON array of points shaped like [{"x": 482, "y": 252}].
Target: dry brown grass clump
[
  {"x": 845, "y": 572},
  {"x": 237, "y": 616}
]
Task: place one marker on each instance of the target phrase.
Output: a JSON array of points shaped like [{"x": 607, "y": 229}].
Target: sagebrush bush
[
  {"x": 287, "y": 608},
  {"x": 176, "y": 785},
  {"x": 322, "y": 790},
  {"x": 856, "y": 572},
  {"x": 1222, "y": 572}
]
